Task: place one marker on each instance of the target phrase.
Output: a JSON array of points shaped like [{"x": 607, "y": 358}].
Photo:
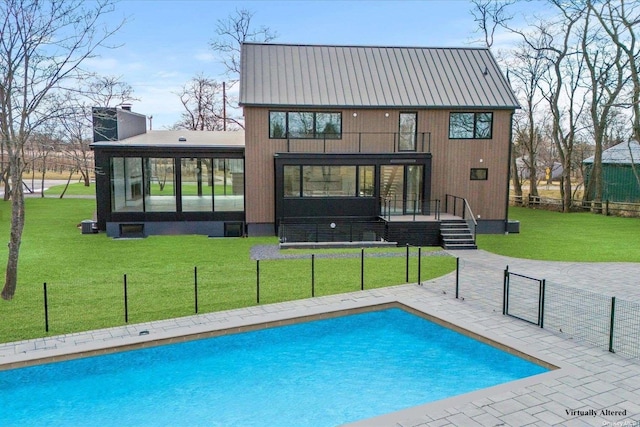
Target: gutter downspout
[{"x": 506, "y": 209}]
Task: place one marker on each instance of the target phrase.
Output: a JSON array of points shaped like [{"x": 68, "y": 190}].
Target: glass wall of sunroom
[{"x": 167, "y": 184}]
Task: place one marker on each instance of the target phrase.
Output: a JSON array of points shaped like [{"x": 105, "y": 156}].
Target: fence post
[
  {"x": 543, "y": 286},
  {"x": 457, "y": 276},
  {"x": 613, "y": 310},
  {"x": 419, "y": 265},
  {"x": 126, "y": 304},
  {"x": 257, "y": 281},
  {"x": 362, "y": 269},
  {"x": 195, "y": 286},
  {"x": 406, "y": 275},
  {"x": 46, "y": 308},
  {"x": 313, "y": 275},
  {"x": 505, "y": 290}
]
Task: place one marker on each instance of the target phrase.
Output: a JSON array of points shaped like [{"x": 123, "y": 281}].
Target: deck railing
[
  {"x": 362, "y": 142},
  {"x": 395, "y": 206}
]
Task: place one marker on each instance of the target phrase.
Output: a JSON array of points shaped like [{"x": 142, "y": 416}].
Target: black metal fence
[
  {"x": 604, "y": 321},
  {"x": 124, "y": 302}
]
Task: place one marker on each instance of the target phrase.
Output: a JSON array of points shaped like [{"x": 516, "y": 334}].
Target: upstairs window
[
  {"x": 305, "y": 125},
  {"x": 470, "y": 125}
]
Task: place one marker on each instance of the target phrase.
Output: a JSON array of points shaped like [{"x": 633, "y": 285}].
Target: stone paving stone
[
  {"x": 549, "y": 418},
  {"x": 463, "y": 420},
  {"x": 487, "y": 420},
  {"x": 530, "y": 399},
  {"x": 508, "y": 406},
  {"x": 603, "y": 400},
  {"x": 599, "y": 386},
  {"x": 565, "y": 400},
  {"x": 519, "y": 418}
]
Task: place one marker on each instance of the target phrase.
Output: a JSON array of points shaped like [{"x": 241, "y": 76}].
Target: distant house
[
  {"x": 620, "y": 172},
  {"x": 340, "y": 143}
]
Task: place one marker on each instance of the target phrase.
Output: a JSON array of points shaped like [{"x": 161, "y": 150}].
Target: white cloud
[
  {"x": 102, "y": 65},
  {"x": 205, "y": 57}
]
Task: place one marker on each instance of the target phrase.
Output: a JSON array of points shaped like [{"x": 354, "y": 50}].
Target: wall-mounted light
[
  {"x": 386, "y": 114},
  {"x": 355, "y": 114},
  {"x": 481, "y": 160}
]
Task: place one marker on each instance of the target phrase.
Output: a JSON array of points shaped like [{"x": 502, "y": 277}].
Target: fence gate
[{"x": 523, "y": 298}]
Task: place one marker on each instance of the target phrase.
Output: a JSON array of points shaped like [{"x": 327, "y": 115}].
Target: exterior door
[{"x": 401, "y": 189}]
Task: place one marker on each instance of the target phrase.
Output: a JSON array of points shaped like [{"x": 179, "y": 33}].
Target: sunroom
[{"x": 171, "y": 182}]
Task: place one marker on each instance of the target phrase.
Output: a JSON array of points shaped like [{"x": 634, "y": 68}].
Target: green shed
[{"x": 620, "y": 172}]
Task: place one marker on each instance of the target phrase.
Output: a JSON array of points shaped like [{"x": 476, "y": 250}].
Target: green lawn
[
  {"x": 79, "y": 189},
  {"x": 556, "y": 236},
  {"x": 84, "y": 273},
  {"x": 74, "y": 189}
]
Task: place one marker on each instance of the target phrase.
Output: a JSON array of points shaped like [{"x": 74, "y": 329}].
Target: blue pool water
[{"x": 320, "y": 373}]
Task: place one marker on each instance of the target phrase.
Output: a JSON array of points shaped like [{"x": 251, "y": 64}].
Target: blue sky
[{"x": 163, "y": 44}]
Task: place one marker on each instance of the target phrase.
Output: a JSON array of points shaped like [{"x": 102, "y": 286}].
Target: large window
[
  {"x": 126, "y": 184},
  {"x": 305, "y": 125},
  {"x": 228, "y": 178},
  {"x": 366, "y": 181},
  {"x": 408, "y": 128},
  {"x": 160, "y": 189},
  {"x": 328, "y": 181},
  {"x": 470, "y": 125},
  {"x": 197, "y": 183},
  {"x": 151, "y": 184},
  {"x": 292, "y": 181}
]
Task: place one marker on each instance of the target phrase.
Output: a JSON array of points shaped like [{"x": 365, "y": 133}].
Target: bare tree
[
  {"x": 526, "y": 72},
  {"x": 621, "y": 20},
  {"x": 490, "y": 15},
  {"x": 107, "y": 91},
  {"x": 42, "y": 45},
  {"x": 77, "y": 120},
  {"x": 561, "y": 88},
  {"x": 201, "y": 98},
  {"x": 231, "y": 33},
  {"x": 605, "y": 65}
]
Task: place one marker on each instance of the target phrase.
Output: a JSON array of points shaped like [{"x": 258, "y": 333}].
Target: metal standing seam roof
[
  {"x": 625, "y": 153},
  {"x": 371, "y": 76}
]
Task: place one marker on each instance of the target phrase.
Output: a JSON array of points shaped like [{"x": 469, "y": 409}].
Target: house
[
  {"x": 343, "y": 143},
  {"x": 620, "y": 172}
]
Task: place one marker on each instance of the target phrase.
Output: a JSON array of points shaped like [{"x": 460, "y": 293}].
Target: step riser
[{"x": 456, "y": 235}]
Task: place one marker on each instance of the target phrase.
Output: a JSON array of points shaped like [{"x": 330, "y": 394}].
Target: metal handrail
[
  {"x": 466, "y": 209},
  {"x": 387, "y": 205},
  {"x": 422, "y": 141}
]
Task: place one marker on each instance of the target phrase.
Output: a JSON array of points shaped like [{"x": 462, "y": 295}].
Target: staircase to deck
[{"x": 455, "y": 234}]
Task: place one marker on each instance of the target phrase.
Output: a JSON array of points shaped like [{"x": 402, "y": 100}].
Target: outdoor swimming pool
[{"x": 319, "y": 373}]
